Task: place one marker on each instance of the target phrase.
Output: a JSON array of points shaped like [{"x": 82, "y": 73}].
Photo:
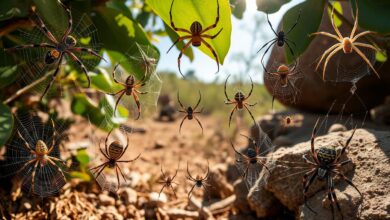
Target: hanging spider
[
  {"x": 42, "y": 158},
  {"x": 58, "y": 49},
  {"x": 239, "y": 101},
  {"x": 282, "y": 82},
  {"x": 250, "y": 160},
  {"x": 190, "y": 112},
  {"x": 130, "y": 89},
  {"x": 347, "y": 44},
  {"x": 113, "y": 153},
  {"x": 199, "y": 181},
  {"x": 325, "y": 166},
  {"x": 196, "y": 36},
  {"x": 280, "y": 39},
  {"x": 168, "y": 180}
]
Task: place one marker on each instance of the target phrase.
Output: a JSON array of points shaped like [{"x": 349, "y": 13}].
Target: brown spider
[
  {"x": 190, "y": 112},
  {"x": 326, "y": 163},
  {"x": 41, "y": 157},
  {"x": 239, "y": 101},
  {"x": 168, "y": 180},
  {"x": 113, "y": 153},
  {"x": 196, "y": 34},
  {"x": 59, "y": 49},
  {"x": 199, "y": 181},
  {"x": 347, "y": 44},
  {"x": 130, "y": 89}
]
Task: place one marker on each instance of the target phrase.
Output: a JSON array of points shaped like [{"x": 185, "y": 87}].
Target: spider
[
  {"x": 190, "y": 112},
  {"x": 280, "y": 39},
  {"x": 347, "y": 44},
  {"x": 199, "y": 181},
  {"x": 283, "y": 81},
  {"x": 58, "y": 49},
  {"x": 197, "y": 35},
  {"x": 239, "y": 101},
  {"x": 326, "y": 163},
  {"x": 113, "y": 153},
  {"x": 251, "y": 158},
  {"x": 130, "y": 89},
  {"x": 41, "y": 156},
  {"x": 168, "y": 180}
]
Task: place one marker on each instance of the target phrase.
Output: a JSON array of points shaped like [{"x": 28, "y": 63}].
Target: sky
[{"x": 205, "y": 67}]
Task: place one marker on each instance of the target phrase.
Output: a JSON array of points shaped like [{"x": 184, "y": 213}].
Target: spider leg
[
  {"x": 178, "y": 99},
  {"x": 308, "y": 161},
  {"x": 117, "y": 101},
  {"x": 362, "y": 34},
  {"x": 200, "y": 124},
  {"x": 265, "y": 52},
  {"x": 87, "y": 50},
  {"x": 263, "y": 165},
  {"x": 106, "y": 142},
  {"x": 161, "y": 190},
  {"x": 366, "y": 45},
  {"x": 345, "y": 146},
  {"x": 136, "y": 99},
  {"x": 53, "y": 77},
  {"x": 120, "y": 171},
  {"x": 129, "y": 161},
  {"x": 216, "y": 21},
  {"x": 213, "y": 52},
  {"x": 266, "y": 44},
  {"x": 173, "y": 25},
  {"x": 272, "y": 28},
  {"x": 190, "y": 192},
  {"x": 326, "y": 34},
  {"x": 44, "y": 45},
  {"x": 162, "y": 171},
  {"x": 139, "y": 92},
  {"x": 80, "y": 63},
  {"x": 250, "y": 92},
  {"x": 313, "y": 136},
  {"x": 290, "y": 41},
  {"x": 289, "y": 47},
  {"x": 253, "y": 118},
  {"x": 116, "y": 93},
  {"x": 226, "y": 95},
  {"x": 173, "y": 190},
  {"x": 178, "y": 165},
  {"x": 178, "y": 40},
  {"x": 211, "y": 36},
  {"x": 334, "y": 26},
  {"x": 97, "y": 167},
  {"x": 231, "y": 114},
  {"x": 273, "y": 91},
  {"x": 296, "y": 22},
  {"x": 53, "y": 138},
  {"x": 330, "y": 197},
  {"x": 117, "y": 176},
  {"x": 206, "y": 191},
  {"x": 328, "y": 58},
  {"x": 182, "y": 121},
  {"x": 342, "y": 176},
  {"x": 100, "y": 171},
  {"x": 44, "y": 29},
  {"x": 113, "y": 75},
  {"x": 237, "y": 152},
  {"x": 70, "y": 21},
  {"x": 189, "y": 174},
  {"x": 181, "y": 54},
  {"x": 208, "y": 171},
  {"x": 27, "y": 164},
  {"x": 330, "y": 49},
  {"x": 358, "y": 51},
  {"x": 200, "y": 99},
  {"x": 335, "y": 201},
  {"x": 57, "y": 167},
  {"x": 33, "y": 175},
  {"x": 306, "y": 185},
  {"x": 355, "y": 24},
  {"x": 26, "y": 144}
]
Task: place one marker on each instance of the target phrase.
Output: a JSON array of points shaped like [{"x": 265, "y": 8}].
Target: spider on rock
[
  {"x": 190, "y": 112},
  {"x": 59, "y": 49},
  {"x": 130, "y": 89},
  {"x": 240, "y": 101},
  {"x": 196, "y": 36},
  {"x": 325, "y": 165},
  {"x": 347, "y": 44},
  {"x": 167, "y": 180},
  {"x": 280, "y": 39},
  {"x": 199, "y": 181},
  {"x": 113, "y": 153}
]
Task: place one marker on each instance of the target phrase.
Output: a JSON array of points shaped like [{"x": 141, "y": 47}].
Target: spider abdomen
[
  {"x": 115, "y": 150},
  {"x": 51, "y": 56},
  {"x": 41, "y": 148},
  {"x": 326, "y": 155},
  {"x": 347, "y": 45},
  {"x": 281, "y": 38},
  {"x": 196, "y": 28}
]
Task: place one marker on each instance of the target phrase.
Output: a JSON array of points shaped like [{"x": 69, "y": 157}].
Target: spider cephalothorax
[
  {"x": 113, "y": 154},
  {"x": 168, "y": 180},
  {"x": 196, "y": 36},
  {"x": 58, "y": 49},
  {"x": 325, "y": 165},
  {"x": 200, "y": 181},
  {"x": 190, "y": 112},
  {"x": 347, "y": 44},
  {"x": 240, "y": 101},
  {"x": 280, "y": 39},
  {"x": 130, "y": 88}
]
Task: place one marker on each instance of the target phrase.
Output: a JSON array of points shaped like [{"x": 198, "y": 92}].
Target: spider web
[
  {"x": 255, "y": 174},
  {"x": 30, "y": 61},
  {"x": 289, "y": 93},
  {"x": 146, "y": 60},
  {"x": 48, "y": 178}
]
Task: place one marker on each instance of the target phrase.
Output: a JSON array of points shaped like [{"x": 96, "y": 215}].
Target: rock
[
  {"x": 27, "y": 205},
  {"x": 263, "y": 203},
  {"x": 241, "y": 192},
  {"x": 159, "y": 144},
  {"x": 282, "y": 141},
  {"x": 221, "y": 188},
  {"x": 159, "y": 199},
  {"x": 336, "y": 128},
  {"x": 381, "y": 113},
  {"x": 369, "y": 152},
  {"x": 106, "y": 200},
  {"x": 128, "y": 195}
]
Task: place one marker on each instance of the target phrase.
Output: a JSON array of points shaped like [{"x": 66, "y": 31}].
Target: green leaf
[
  {"x": 14, "y": 8},
  {"x": 102, "y": 80},
  {"x": 381, "y": 56},
  {"x": 80, "y": 175},
  {"x": 337, "y": 6},
  {"x": 238, "y": 8},
  {"x": 185, "y": 12},
  {"x": 52, "y": 13},
  {"x": 270, "y": 6},
  {"x": 311, "y": 16},
  {"x": 6, "y": 123},
  {"x": 83, "y": 157},
  {"x": 173, "y": 36},
  {"x": 373, "y": 15}
]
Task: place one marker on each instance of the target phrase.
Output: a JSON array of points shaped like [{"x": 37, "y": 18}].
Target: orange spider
[{"x": 347, "y": 44}]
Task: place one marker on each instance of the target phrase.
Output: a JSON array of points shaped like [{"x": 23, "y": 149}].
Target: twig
[{"x": 222, "y": 205}]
